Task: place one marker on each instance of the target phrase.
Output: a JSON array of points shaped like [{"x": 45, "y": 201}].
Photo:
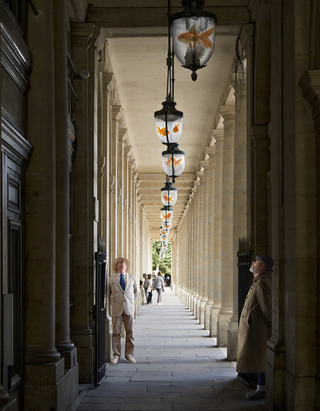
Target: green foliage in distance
[{"x": 165, "y": 264}]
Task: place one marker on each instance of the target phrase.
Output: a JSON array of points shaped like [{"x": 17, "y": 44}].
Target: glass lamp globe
[
  {"x": 169, "y": 195},
  {"x": 168, "y": 122},
  {"x": 164, "y": 231},
  {"x": 173, "y": 161},
  {"x": 193, "y": 35},
  {"x": 164, "y": 242},
  {"x": 166, "y": 214}
]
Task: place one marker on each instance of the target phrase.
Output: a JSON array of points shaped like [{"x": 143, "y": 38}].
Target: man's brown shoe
[
  {"x": 115, "y": 359},
  {"x": 131, "y": 359}
]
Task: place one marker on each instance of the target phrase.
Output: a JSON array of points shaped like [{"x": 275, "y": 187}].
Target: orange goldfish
[
  {"x": 193, "y": 37},
  {"x": 175, "y": 162},
  {"x": 166, "y": 216},
  {"x": 176, "y": 128},
  {"x": 168, "y": 198},
  {"x": 162, "y": 131}
]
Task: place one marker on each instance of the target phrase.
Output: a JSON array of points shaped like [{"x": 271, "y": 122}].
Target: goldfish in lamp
[
  {"x": 193, "y": 37},
  {"x": 162, "y": 131},
  {"x": 176, "y": 128},
  {"x": 166, "y": 198},
  {"x": 175, "y": 162}
]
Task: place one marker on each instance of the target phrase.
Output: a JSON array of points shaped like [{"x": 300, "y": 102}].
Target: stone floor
[{"x": 178, "y": 368}]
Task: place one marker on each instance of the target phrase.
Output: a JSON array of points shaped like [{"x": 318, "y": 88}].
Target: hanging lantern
[
  {"x": 193, "y": 35},
  {"x": 169, "y": 195},
  {"x": 166, "y": 214},
  {"x": 168, "y": 122},
  {"x": 164, "y": 242},
  {"x": 173, "y": 161}
]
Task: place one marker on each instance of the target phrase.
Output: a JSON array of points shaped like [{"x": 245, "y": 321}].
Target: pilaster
[
  {"x": 85, "y": 236},
  {"x": 205, "y": 256},
  {"x": 239, "y": 212},
  {"x": 211, "y": 152},
  {"x": 218, "y": 136},
  {"x": 228, "y": 114}
]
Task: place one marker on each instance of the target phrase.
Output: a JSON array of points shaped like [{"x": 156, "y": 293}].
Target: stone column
[
  {"x": 204, "y": 221},
  {"x": 63, "y": 169},
  {"x": 121, "y": 175},
  {"x": 114, "y": 251},
  {"x": 211, "y": 180},
  {"x": 130, "y": 211},
  {"x": 198, "y": 251},
  {"x": 225, "y": 312},
  {"x": 84, "y": 171},
  {"x": 247, "y": 42},
  {"x": 108, "y": 84},
  {"x": 126, "y": 201},
  {"x": 43, "y": 362},
  {"x": 142, "y": 244},
  {"x": 261, "y": 167},
  {"x": 218, "y": 135},
  {"x": 239, "y": 212}
]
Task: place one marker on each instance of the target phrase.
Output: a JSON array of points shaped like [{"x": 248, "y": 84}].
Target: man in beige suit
[{"x": 123, "y": 292}]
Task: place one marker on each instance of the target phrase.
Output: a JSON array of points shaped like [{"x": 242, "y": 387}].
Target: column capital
[
  {"x": 123, "y": 134},
  {"x": 108, "y": 81},
  {"x": 210, "y": 151},
  {"x": 217, "y": 135},
  {"x": 259, "y": 135},
  {"x": 200, "y": 175},
  {"x": 204, "y": 164},
  {"x": 116, "y": 112},
  {"x": 82, "y": 30},
  {"x": 127, "y": 151},
  {"x": 227, "y": 112},
  {"x": 247, "y": 35},
  {"x": 310, "y": 84}
]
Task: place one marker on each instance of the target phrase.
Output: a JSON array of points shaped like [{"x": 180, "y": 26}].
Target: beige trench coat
[
  {"x": 122, "y": 301},
  {"x": 254, "y": 325}
]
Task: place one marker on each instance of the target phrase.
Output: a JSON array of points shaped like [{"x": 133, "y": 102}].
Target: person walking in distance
[
  {"x": 158, "y": 285},
  {"x": 255, "y": 325},
  {"x": 145, "y": 287},
  {"x": 123, "y": 292}
]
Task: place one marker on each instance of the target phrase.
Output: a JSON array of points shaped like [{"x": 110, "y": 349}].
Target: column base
[
  {"x": 232, "y": 337},
  {"x": 48, "y": 387},
  {"x": 191, "y": 303},
  {"x": 198, "y": 309},
  {"x": 83, "y": 341},
  {"x": 207, "y": 317},
  {"x": 214, "y": 321},
  {"x": 4, "y": 396},
  {"x": 275, "y": 376},
  {"x": 202, "y": 311},
  {"x": 222, "y": 328},
  {"x": 109, "y": 334}
]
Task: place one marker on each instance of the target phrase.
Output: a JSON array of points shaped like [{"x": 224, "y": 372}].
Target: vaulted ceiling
[{"x": 137, "y": 45}]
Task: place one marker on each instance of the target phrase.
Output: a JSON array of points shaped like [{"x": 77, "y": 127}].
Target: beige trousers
[{"x": 116, "y": 338}]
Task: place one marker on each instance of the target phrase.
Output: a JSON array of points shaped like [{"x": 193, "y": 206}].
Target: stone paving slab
[{"x": 179, "y": 368}]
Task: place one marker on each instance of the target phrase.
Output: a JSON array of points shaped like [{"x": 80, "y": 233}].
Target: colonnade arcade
[{"x": 72, "y": 187}]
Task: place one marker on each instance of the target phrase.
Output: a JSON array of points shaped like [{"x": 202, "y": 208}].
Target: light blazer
[{"x": 122, "y": 301}]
